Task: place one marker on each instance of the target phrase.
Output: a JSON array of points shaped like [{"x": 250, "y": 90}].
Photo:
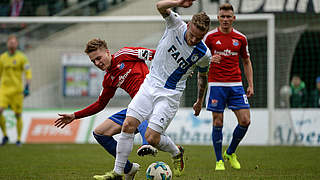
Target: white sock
[
  {"x": 124, "y": 148},
  {"x": 167, "y": 145}
]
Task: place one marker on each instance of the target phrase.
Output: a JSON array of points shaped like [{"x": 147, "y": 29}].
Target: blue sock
[
  {"x": 110, "y": 145},
  {"x": 142, "y": 128},
  {"x": 217, "y": 142},
  {"x": 238, "y": 133}
]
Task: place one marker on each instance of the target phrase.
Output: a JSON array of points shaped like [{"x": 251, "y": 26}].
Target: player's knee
[
  {"x": 217, "y": 120},
  {"x": 218, "y": 123},
  {"x": 152, "y": 140},
  {"x": 129, "y": 126},
  {"x": 245, "y": 121},
  {"x": 98, "y": 131}
]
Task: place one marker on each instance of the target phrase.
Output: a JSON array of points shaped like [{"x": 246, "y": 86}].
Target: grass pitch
[{"x": 82, "y": 161}]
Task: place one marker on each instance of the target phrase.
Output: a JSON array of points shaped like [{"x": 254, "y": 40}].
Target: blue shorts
[
  {"x": 232, "y": 96},
  {"x": 120, "y": 116}
]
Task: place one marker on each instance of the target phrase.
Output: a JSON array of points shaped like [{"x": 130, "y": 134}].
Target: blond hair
[
  {"x": 95, "y": 44},
  {"x": 226, "y": 7},
  {"x": 12, "y": 36},
  {"x": 201, "y": 20}
]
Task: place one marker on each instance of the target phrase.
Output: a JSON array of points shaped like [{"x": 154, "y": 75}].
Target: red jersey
[
  {"x": 127, "y": 71},
  {"x": 230, "y": 47}
]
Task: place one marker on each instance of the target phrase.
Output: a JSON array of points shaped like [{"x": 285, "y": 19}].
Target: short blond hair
[
  {"x": 95, "y": 44},
  {"x": 201, "y": 20},
  {"x": 226, "y": 7},
  {"x": 12, "y": 36}
]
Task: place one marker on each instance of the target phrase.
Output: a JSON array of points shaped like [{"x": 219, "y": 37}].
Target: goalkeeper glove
[{"x": 26, "y": 90}]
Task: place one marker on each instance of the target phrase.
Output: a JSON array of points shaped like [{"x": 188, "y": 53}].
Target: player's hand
[
  {"x": 191, "y": 74},
  {"x": 26, "y": 91},
  {"x": 64, "y": 120},
  {"x": 250, "y": 91},
  {"x": 185, "y": 3},
  {"x": 216, "y": 58},
  {"x": 197, "y": 106}
]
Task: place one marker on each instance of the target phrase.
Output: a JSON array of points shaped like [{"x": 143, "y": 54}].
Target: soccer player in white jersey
[
  {"x": 179, "y": 52},
  {"x": 225, "y": 84}
]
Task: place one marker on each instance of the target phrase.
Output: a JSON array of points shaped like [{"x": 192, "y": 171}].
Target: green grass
[{"x": 82, "y": 161}]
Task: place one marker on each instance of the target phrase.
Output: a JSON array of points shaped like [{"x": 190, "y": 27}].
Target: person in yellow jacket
[{"x": 13, "y": 63}]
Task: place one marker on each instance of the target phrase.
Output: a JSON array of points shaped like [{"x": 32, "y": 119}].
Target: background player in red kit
[
  {"x": 225, "y": 84},
  {"x": 125, "y": 69}
]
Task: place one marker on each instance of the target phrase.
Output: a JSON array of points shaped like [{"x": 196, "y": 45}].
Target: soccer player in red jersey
[
  {"x": 227, "y": 45},
  {"x": 124, "y": 69}
]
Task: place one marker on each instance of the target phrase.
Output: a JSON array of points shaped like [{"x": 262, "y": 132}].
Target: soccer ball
[{"x": 159, "y": 171}]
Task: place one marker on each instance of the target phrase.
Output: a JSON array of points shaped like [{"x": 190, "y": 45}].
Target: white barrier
[{"x": 184, "y": 129}]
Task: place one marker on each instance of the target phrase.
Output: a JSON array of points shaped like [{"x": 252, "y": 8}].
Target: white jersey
[{"x": 175, "y": 59}]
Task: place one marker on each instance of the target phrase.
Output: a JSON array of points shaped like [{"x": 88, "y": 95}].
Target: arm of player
[
  {"x": 247, "y": 66},
  {"x": 165, "y": 5},
  {"x": 64, "y": 120},
  {"x": 99, "y": 105},
  {"x": 202, "y": 86},
  {"x": 216, "y": 58},
  {"x": 26, "y": 90},
  {"x": 28, "y": 76}
]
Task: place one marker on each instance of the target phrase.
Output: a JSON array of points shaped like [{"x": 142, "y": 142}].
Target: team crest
[
  {"x": 214, "y": 102},
  {"x": 194, "y": 57},
  {"x": 14, "y": 62},
  {"x": 235, "y": 42},
  {"x": 120, "y": 66}
]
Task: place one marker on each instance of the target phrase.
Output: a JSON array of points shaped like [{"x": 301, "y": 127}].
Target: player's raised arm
[{"x": 165, "y": 5}]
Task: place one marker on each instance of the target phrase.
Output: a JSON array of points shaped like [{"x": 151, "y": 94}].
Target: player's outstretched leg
[
  {"x": 178, "y": 162},
  {"x": 110, "y": 145},
  {"x": 147, "y": 150}
]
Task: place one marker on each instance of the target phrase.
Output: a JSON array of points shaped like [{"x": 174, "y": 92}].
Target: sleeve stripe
[
  {"x": 126, "y": 51},
  {"x": 119, "y": 54}
]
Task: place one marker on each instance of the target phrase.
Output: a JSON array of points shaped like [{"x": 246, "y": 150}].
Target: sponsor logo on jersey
[
  {"x": 176, "y": 56},
  {"x": 214, "y": 102},
  {"x": 226, "y": 52},
  {"x": 218, "y": 42},
  {"x": 120, "y": 66},
  {"x": 194, "y": 57},
  {"x": 235, "y": 42},
  {"x": 123, "y": 78}
]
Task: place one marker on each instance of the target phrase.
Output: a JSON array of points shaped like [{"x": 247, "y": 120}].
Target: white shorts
[{"x": 157, "y": 105}]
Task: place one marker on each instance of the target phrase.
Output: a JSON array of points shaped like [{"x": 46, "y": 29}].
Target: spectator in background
[
  {"x": 13, "y": 63},
  {"x": 16, "y": 7},
  {"x": 315, "y": 95},
  {"x": 299, "y": 93}
]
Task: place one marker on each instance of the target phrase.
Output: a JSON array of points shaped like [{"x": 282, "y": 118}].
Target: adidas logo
[{"x": 218, "y": 42}]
